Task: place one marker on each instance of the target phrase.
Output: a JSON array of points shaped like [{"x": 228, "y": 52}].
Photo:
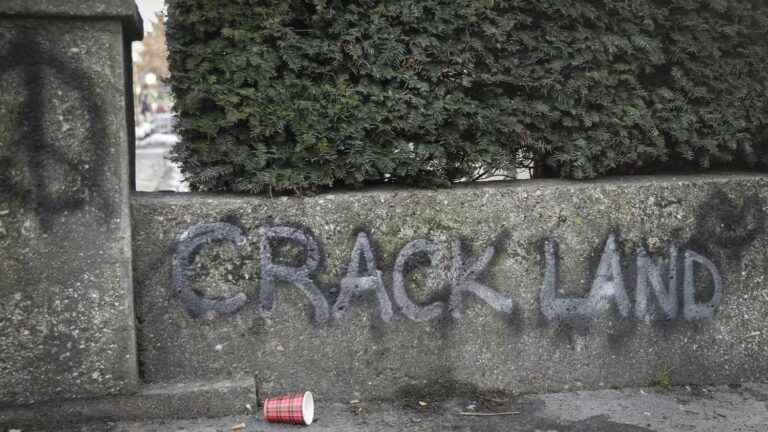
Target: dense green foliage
[{"x": 290, "y": 95}]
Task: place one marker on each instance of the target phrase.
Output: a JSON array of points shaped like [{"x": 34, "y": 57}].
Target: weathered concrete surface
[
  {"x": 123, "y": 10},
  {"x": 212, "y": 301},
  {"x": 66, "y": 306},
  {"x": 189, "y": 400},
  {"x": 700, "y": 409}
]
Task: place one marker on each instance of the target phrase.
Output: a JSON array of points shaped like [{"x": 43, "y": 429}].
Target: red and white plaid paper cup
[{"x": 296, "y": 408}]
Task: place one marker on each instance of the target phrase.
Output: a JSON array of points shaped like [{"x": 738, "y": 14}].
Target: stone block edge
[
  {"x": 144, "y": 198},
  {"x": 123, "y": 10},
  {"x": 154, "y": 401}
]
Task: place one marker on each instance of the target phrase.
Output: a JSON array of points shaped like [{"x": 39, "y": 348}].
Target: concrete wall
[
  {"x": 180, "y": 303},
  {"x": 535, "y": 286},
  {"x": 66, "y": 294}
]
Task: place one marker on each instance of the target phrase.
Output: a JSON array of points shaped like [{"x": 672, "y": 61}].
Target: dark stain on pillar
[{"x": 31, "y": 148}]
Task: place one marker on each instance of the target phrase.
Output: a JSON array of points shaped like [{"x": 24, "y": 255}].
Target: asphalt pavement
[{"x": 737, "y": 408}]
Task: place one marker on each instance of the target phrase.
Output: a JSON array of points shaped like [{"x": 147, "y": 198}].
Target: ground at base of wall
[{"x": 702, "y": 409}]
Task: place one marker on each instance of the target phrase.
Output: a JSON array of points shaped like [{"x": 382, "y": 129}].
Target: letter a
[{"x": 355, "y": 283}]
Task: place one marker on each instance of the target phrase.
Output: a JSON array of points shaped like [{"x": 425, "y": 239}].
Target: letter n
[{"x": 649, "y": 272}]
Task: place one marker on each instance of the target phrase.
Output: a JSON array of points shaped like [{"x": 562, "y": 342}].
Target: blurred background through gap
[{"x": 153, "y": 106}]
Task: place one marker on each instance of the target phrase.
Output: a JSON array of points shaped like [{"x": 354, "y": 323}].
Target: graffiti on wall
[
  {"x": 608, "y": 287},
  {"x": 31, "y": 147},
  {"x": 660, "y": 291}
]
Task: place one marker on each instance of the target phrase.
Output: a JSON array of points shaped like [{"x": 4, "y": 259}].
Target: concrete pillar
[{"x": 66, "y": 294}]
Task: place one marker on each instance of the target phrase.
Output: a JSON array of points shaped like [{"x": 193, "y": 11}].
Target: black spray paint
[
  {"x": 188, "y": 246},
  {"x": 721, "y": 223},
  {"x": 608, "y": 287},
  {"x": 691, "y": 309},
  {"x": 650, "y": 271},
  {"x": 407, "y": 306},
  {"x": 463, "y": 279},
  {"x": 300, "y": 276},
  {"x": 356, "y": 283},
  {"x": 658, "y": 294},
  {"x": 32, "y": 148}
]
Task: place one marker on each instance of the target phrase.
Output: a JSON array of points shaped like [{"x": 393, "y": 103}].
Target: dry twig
[{"x": 478, "y": 414}]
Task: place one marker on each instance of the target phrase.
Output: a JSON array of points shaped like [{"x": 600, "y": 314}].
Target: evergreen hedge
[{"x": 292, "y": 95}]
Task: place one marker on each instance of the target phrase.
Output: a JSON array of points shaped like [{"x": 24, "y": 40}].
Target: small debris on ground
[
  {"x": 488, "y": 414},
  {"x": 238, "y": 427},
  {"x": 357, "y": 408}
]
